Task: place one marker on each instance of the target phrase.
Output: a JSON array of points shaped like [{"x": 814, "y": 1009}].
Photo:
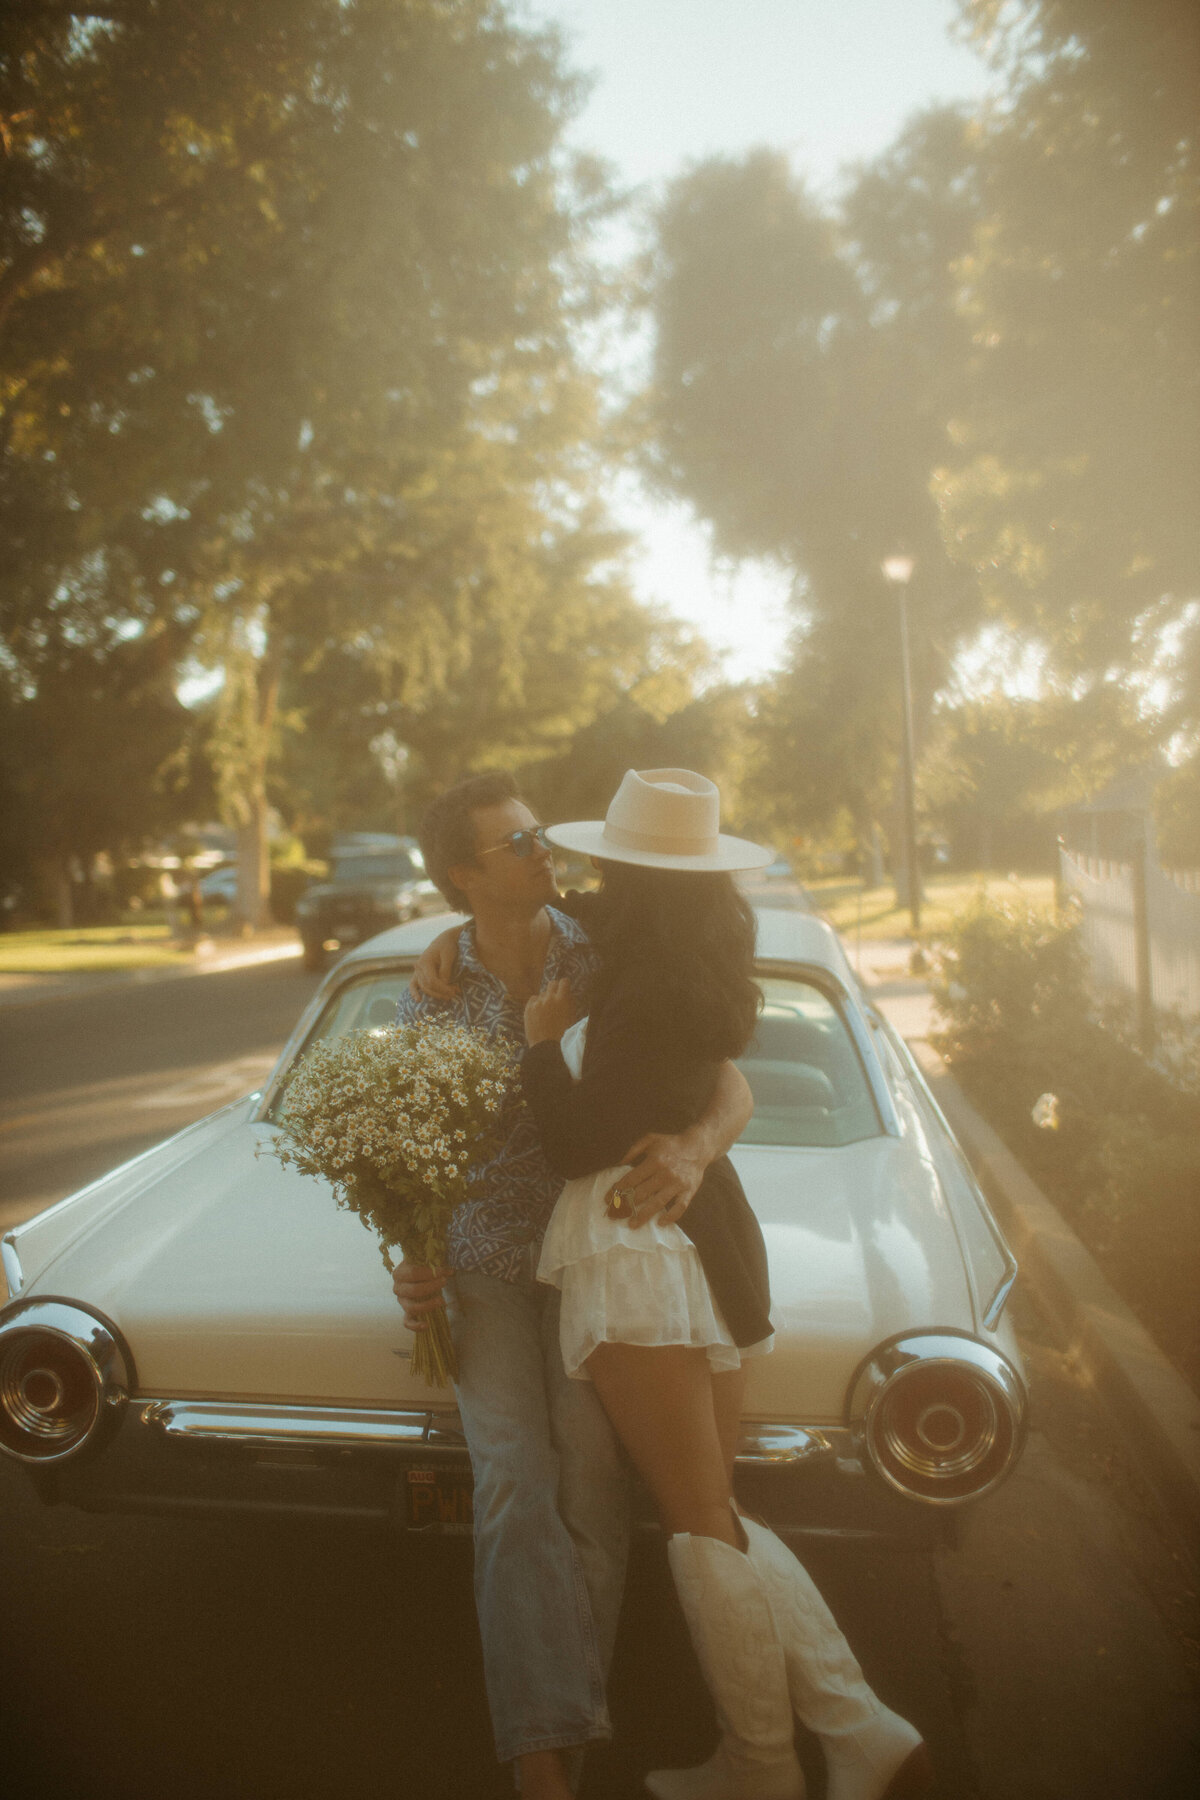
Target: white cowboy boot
[
  {"x": 733, "y": 1632},
  {"x": 870, "y": 1752}
]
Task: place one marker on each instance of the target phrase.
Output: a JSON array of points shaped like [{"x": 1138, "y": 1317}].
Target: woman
[{"x": 663, "y": 1317}]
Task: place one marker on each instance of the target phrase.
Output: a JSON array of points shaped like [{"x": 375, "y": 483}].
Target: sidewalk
[
  {"x": 1149, "y": 1397},
  {"x": 210, "y": 956}
]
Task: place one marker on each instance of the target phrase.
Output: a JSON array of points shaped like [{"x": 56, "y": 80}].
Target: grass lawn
[
  {"x": 852, "y": 908},
  {"x": 93, "y": 949}
]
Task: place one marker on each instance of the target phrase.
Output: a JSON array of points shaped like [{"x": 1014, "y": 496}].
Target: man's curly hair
[{"x": 447, "y": 830}]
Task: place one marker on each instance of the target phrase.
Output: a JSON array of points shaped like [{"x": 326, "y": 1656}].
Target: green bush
[{"x": 1121, "y": 1155}]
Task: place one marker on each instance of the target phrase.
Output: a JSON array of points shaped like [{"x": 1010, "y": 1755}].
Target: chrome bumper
[
  {"x": 346, "y": 1463},
  {"x": 335, "y": 1428}
]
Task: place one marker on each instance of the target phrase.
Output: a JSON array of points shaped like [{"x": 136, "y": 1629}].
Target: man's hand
[
  {"x": 667, "y": 1171},
  {"x": 549, "y": 1013},
  {"x": 418, "y": 1288},
  {"x": 433, "y": 977}
]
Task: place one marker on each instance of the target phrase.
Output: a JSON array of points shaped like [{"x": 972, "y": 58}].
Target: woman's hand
[
  {"x": 418, "y": 1288},
  {"x": 549, "y": 1013},
  {"x": 433, "y": 977}
]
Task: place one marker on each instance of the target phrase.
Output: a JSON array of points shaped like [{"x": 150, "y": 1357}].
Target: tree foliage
[
  {"x": 1072, "y": 495},
  {"x": 998, "y": 768},
  {"x": 806, "y": 366},
  {"x": 287, "y": 291},
  {"x": 708, "y": 732},
  {"x": 985, "y": 353},
  {"x": 99, "y": 755}
]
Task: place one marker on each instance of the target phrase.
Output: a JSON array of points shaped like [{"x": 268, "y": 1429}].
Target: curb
[
  {"x": 34, "y": 993},
  {"x": 1148, "y": 1396}
]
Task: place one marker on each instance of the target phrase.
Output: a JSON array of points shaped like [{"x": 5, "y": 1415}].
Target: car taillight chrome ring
[
  {"x": 64, "y": 1380},
  {"x": 942, "y": 1416}
]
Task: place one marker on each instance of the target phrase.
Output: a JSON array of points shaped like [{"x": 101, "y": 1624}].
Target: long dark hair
[{"x": 688, "y": 937}]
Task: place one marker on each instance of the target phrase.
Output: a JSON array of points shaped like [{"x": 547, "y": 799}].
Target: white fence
[{"x": 1106, "y": 892}]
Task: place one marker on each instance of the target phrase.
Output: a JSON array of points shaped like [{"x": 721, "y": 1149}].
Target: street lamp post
[{"x": 898, "y": 571}]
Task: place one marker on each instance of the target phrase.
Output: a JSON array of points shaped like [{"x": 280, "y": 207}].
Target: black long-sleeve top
[{"x": 642, "y": 1072}]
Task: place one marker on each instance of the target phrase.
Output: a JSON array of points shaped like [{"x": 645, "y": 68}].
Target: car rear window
[
  {"x": 368, "y": 1004},
  {"x": 809, "y": 1084}
]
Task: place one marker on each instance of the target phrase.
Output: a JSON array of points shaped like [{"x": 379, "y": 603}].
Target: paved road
[
  {"x": 90, "y": 1080},
  {"x": 1051, "y": 1657}
]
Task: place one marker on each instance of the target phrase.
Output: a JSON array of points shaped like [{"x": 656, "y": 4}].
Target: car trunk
[{"x": 255, "y": 1285}]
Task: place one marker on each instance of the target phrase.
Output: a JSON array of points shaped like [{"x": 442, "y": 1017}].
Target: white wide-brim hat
[{"x": 662, "y": 819}]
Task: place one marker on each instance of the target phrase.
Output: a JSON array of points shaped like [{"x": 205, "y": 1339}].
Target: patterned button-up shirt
[{"x": 500, "y": 1231}]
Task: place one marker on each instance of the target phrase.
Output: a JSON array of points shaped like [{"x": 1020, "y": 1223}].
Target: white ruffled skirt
[
  {"x": 621, "y": 1286},
  {"x": 628, "y": 1287}
]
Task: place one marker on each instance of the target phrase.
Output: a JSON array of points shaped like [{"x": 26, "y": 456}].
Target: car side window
[{"x": 810, "y": 1088}]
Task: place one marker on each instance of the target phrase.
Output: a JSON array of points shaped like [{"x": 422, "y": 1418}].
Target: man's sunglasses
[{"x": 520, "y": 842}]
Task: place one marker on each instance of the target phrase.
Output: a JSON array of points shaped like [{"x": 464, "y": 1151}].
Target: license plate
[{"x": 437, "y": 1500}]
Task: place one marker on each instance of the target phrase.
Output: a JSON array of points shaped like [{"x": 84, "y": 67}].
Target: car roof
[{"x": 784, "y": 935}]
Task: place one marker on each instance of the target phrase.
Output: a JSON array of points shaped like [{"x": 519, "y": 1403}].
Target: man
[{"x": 551, "y": 1504}]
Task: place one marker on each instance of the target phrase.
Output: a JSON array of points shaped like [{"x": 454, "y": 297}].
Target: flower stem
[{"x": 433, "y": 1353}]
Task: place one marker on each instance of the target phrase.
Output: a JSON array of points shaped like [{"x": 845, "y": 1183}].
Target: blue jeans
[{"x": 551, "y": 1517}]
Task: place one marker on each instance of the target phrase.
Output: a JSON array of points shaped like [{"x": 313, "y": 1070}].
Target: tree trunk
[
  {"x": 252, "y": 908},
  {"x": 253, "y": 905},
  {"x": 54, "y": 883},
  {"x": 872, "y": 847}
]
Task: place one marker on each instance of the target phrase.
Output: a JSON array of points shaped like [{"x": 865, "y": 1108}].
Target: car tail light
[
  {"x": 63, "y": 1380},
  {"x": 942, "y": 1416}
]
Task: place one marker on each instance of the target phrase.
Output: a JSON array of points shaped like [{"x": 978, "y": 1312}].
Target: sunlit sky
[{"x": 830, "y": 82}]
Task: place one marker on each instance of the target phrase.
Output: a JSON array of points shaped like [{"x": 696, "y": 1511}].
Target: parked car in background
[
  {"x": 219, "y": 886},
  {"x": 367, "y": 890},
  {"x": 204, "y": 1328}
]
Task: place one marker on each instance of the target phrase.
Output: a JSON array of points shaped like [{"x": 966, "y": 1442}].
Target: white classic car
[{"x": 204, "y": 1328}]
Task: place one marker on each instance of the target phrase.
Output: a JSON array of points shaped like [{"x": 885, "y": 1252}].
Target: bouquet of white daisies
[{"x": 396, "y": 1120}]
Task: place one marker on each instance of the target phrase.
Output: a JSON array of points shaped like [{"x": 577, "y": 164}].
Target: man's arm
[
  {"x": 669, "y": 1167},
  {"x": 418, "y": 1288}
]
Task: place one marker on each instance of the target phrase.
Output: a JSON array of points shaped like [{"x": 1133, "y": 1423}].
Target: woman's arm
[
  {"x": 433, "y": 976},
  {"x": 638, "y": 1081}
]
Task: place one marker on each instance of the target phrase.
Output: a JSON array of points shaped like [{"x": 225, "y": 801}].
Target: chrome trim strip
[
  {"x": 330, "y": 1427},
  {"x": 267, "y": 1426},
  {"x": 765, "y": 1445},
  {"x": 999, "y": 1300},
  {"x": 14, "y": 1275},
  {"x": 990, "y": 1315}
]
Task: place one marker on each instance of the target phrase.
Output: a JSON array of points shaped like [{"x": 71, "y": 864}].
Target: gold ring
[{"x": 618, "y": 1198}]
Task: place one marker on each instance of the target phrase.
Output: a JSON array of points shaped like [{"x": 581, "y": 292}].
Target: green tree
[
  {"x": 806, "y": 367},
  {"x": 98, "y": 755},
  {"x": 1072, "y": 491},
  {"x": 287, "y": 293},
  {"x": 367, "y": 738},
  {"x": 999, "y": 768},
  {"x": 650, "y": 727}
]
